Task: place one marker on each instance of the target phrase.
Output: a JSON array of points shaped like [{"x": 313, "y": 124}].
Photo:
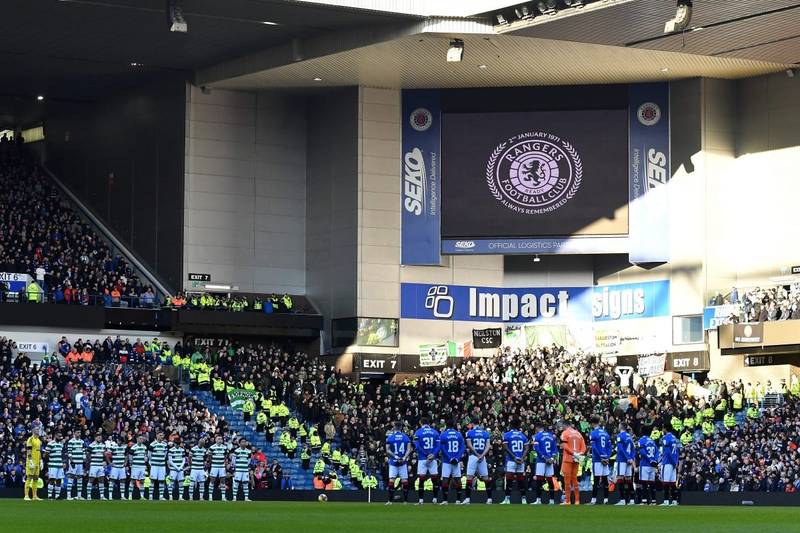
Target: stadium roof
[
  {"x": 728, "y": 40},
  {"x": 82, "y": 49}
]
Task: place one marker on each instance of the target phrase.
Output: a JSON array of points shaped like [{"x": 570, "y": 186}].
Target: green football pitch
[{"x": 331, "y": 517}]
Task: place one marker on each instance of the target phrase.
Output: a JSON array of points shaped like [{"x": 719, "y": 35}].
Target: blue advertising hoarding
[
  {"x": 427, "y": 301},
  {"x": 649, "y": 172},
  {"x": 421, "y": 183}
]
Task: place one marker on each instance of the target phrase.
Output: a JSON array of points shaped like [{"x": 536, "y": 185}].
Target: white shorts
[
  {"x": 473, "y": 466},
  {"x": 218, "y": 472},
  {"x": 158, "y": 473},
  {"x": 55, "y": 473},
  {"x": 398, "y": 471},
  {"x": 545, "y": 470},
  {"x": 76, "y": 471},
  {"x": 669, "y": 473},
  {"x": 427, "y": 468},
  {"x": 137, "y": 472},
  {"x": 601, "y": 470},
  {"x": 623, "y": 470},
  {"x": 118, "y": 473},
  {"x": 241, "y": 476},
  {"x": 198, "y": 476},
  {"x": 97, "y": 471},
  {"x": 647, "y": 473},
  {"x": 449, "y": 470},
  {"x": 176, "y": 475},
  {"x": 513, "y": 468}
]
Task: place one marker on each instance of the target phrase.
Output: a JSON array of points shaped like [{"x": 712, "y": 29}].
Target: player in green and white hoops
[
  {"x": 158, "y": 465},
  {"x": 241, "y": 475},
  {"x": 119, "y": 460},
  {"x": 138, "y": 462},
  {"x": 177, "y": 462},
  {"x": 197, "y": 473},
  {"x": 219, "y": 456},
  {"x": 97, "y": 467},
  {"x": 54, "y": 453},
  {"x": 76, "y": 454}
]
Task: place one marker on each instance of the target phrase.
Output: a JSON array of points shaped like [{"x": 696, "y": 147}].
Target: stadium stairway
[{"x": 302, "y": 479}]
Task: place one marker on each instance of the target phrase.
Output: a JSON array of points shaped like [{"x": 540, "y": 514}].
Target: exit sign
[{"x": 199, "y": 277}]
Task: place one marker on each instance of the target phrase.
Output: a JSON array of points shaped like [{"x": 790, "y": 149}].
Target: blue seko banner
[
  {"x": 649, "y": 172},
  {"x": 421, "y": 184}
]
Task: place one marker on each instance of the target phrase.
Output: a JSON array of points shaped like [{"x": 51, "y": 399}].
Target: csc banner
[
  {"x": 487, "y": 338},
  {"x": 649, "y": 172},
  {"x": 421, "y": 183}
]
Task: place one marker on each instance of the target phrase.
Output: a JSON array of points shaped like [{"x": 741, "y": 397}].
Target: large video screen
[{"x": 535, "y": 174}]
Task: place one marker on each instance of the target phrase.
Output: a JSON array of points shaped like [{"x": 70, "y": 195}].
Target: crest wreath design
[{"x": 575, "y": 166}]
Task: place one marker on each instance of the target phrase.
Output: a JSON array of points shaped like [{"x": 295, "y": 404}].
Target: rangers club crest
[
  {"x": 534, "y": 172},
  {"x": 421, "y": 119},
  {"x": 648, "y": 114}
]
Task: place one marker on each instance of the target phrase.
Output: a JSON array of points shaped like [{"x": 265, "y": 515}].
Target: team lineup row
[
  {"x": 158, "y": 468},
  {"x": 644, "y": 458}
]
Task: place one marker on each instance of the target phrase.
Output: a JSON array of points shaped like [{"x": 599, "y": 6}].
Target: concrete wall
[
  {"x": 245, "y": 189},
  {"x": 332, "y": 204}
]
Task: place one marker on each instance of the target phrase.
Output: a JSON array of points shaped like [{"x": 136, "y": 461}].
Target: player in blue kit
[
  {"x": 451, "y": 442},
  {"x": 398, "y": 449},
  {"x": 478, "y": 445},
  {"x": 602, "y": 448},
  {"x": 546, "y": 447},
  {"x": 426, "y": 444},
  {"x": 670, "y": 458},
  {"x": 623, "y": 468},
  {"x": 515, "y": 444},
  {"x": 648, "y": 462}
]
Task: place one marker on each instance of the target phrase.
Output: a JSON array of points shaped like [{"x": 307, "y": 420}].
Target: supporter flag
[
  {"x": 651, "y": 365},
  {"x": 237, "y": 397},
  {"x": 433, "y": 354},
  {"x": 459, "y": 349}
]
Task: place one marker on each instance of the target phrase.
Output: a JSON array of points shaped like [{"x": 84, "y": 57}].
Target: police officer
[
  {"x": 261, "y": 422},
  {"x": 248, "y": 409}
]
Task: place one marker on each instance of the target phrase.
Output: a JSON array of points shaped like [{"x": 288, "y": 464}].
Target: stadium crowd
[
  {"x": 107, "y": 399},
  {"x": 730, "y": 442},
  {"x": 762, "y": 304},
  {"x": 41, "y": 235}
]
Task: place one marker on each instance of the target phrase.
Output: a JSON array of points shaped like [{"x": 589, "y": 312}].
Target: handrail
[{"x": 109, "y": 236}]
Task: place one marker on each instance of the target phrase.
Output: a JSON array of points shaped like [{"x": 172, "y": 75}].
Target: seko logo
[
  {"x": 414, "y": 182},
  {"x": 465, "y": 245}
]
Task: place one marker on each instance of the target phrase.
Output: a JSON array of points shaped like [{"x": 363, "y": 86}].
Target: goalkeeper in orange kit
[{"x": 573, "y": 449}]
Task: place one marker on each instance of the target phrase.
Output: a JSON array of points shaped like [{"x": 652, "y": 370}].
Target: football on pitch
[{"x": 323, "y": 497}]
